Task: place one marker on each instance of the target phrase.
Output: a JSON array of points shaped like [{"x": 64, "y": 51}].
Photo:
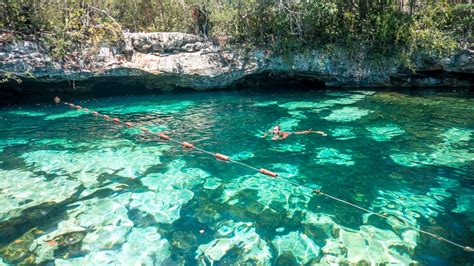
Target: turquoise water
[{"x": 76, "y": 190}]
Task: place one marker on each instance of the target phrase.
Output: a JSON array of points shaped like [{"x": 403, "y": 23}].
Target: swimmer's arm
[
  {"x": 320, "y": 133},
  {"x": 311, "y": 131},
  {"x": 264, "y": 135},
  {"x": 302, "y": 132}
]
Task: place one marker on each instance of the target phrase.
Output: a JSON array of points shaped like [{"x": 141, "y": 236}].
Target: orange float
[
  {"x": 163, "y": 136},
  {"x": 187, "y": 145},
  {"x": 221, "y": 156},
  {"x": 268, "y": 172}
]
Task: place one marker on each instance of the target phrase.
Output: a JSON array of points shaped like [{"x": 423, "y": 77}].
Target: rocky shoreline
[{"x": 170, "y": 60}]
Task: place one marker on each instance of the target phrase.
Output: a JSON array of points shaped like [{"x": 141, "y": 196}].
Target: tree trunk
[{"x": 363, "y": 5}]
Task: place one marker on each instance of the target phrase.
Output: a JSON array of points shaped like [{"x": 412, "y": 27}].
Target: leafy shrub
[{"x": 282, "y": 26}]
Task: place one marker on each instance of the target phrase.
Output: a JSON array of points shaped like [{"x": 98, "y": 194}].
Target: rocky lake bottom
[{"x": 78, "y": 190}]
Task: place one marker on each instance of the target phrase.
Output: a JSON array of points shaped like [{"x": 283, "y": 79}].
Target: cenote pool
[{"x": 77, "y": 190}]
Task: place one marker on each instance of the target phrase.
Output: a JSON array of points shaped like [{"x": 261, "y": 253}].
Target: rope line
[{"x": 269, "y": 173}]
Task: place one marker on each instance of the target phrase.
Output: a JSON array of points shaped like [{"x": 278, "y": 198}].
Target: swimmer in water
[
  {"x": 281, "y": 135},
  {"x": 57, "y": 100}
]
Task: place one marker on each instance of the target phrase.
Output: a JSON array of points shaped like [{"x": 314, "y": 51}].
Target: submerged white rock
[
  {"x": 45, "y": 246},
  {"x": 368, "y": 244},
  {"x": 86, "y": 167},
  {"x": 176, "y": 177},
  {"x": 347, "y": 114},
  {"x": 449, "y": 156},
  {"x": 444, "y": 154},
  {"x": 103, "y": 221},
  {"x": 243, "y": 155},
  {"x": 272, "y": 194},
  {"x": 302, "y": 105},
  {"x": 235, "y": 236},
  {"x": 457, "y": 135},
  {"x": 109, "y": 236},
  {"x": 212, "y": 183},
  {"x": 21, "y": 190},
  {"x": 265, "y": 103},
  {"x": 342, "y": 99},
  {"x": 407, "y": 206},
  {"x": 333, "y": 156},
  {"x": 385, "y": 132},
  {"x": 297, "y": 244},
  {"x": 165, "y": 205},
  {"x": 145, "y": 246},
  {"x": 285, "y": 170},
  {"x": 451, "y": 152},
  {"x": 343, "y": 133},
  {"x": 142, "y": 246},
  {"x": 297, "y": 114},
  {"x": 171, "y": 190},
  {"x": 410, "y": 159}
]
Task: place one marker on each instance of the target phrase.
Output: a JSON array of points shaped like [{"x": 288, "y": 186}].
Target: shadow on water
[
  {"x": 36, "y": 92},
  {"x": 33, "y": 91}
]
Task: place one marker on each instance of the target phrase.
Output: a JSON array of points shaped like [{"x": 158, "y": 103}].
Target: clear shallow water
[{"x": 76, "y": 190}]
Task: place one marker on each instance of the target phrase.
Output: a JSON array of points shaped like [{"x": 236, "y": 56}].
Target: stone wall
[{"x": 168, "y": 60}]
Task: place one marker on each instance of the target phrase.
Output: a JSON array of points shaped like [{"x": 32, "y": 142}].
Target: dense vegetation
[{"x": 280, "y": 25}]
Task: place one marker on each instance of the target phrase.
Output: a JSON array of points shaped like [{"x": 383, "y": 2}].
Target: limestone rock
[{"x": 168, "y": 60}]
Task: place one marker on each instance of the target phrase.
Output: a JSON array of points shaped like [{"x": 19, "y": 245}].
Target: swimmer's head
[{"x": 276, "y": 129}]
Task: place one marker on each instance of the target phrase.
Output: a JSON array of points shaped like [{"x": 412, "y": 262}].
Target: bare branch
[{"x": 105, "y": 13}]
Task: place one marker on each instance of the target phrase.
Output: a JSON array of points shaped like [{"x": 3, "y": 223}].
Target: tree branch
[{"x": 105, "y": 13}]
